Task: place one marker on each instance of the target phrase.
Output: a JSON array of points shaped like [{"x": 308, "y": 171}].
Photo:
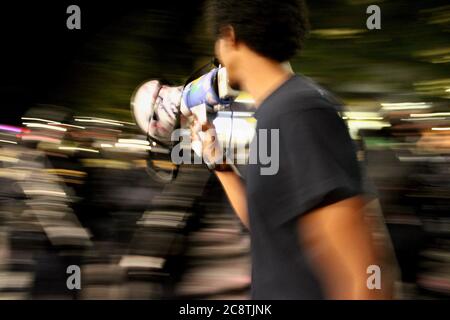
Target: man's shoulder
[
  {"x": 304, "y": 93},
  {"x": 298, "y": 94}
]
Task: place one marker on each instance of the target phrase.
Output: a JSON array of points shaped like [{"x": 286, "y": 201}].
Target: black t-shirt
[{"x": 317, "y": 167}]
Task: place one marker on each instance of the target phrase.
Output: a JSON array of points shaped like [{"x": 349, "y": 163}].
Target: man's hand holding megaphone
[{"x": 204, "y": 141}]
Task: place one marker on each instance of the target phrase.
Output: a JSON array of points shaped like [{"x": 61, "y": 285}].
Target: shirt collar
[{"x": 269, "y": 97}]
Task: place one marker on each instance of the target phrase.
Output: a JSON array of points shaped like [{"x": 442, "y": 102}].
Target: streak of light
[
  {"x": 436, "y": 114},
  {"x": 108, "y": 120},
  {"x": 405, "y": 106},
  {"x": 424, "y": 119},
  {"x": 44, "y": 126},
  {"x": 10, "y": 128},
  {"x": 46, "y": 192},
  {"x": 78, "y": 149},
  {"x": 67, "y": 172},
  {"x": 40, "y": 119},
  {"x": 100, "y": 121},
  {"x": 72, "y": 126},
  {"x": 8, "y": 141},
  {"x": 134, "y": 141},
  {"x": 132, "y": 146},
  {"x": 441, "y": 129}
]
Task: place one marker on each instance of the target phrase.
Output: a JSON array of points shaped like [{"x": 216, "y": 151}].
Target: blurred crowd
[
  {"x": 408, "y": 162},
  {"x": 78, "y": 191},
  {"x": 90, "y": 192}
]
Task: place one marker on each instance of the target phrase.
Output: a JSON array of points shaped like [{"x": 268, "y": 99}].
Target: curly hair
[{"x": 275, "y": 29}]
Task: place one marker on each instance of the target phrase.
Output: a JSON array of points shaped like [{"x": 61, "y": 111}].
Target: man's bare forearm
[{"x": 235, "y": 190}]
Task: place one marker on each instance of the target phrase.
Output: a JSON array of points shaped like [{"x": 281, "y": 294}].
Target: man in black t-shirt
[{"x": 309, "y": 238}]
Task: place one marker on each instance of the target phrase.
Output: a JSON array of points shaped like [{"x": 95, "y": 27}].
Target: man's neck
[{"x": 260, "y": 77}]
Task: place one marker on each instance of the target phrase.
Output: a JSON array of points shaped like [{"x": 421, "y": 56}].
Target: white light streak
[
  {"x": 405, "y": 106},
  {"x": 78, "y": 149},
  {"x": 134, "y": 141},
  {"x": 44, "y": 126},
  {"x": 8, "y": 141}
]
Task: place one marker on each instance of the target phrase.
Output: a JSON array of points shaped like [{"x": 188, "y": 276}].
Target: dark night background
[
  {"x": 44, "y": 62},
  {"x": 123, "y": 43}
]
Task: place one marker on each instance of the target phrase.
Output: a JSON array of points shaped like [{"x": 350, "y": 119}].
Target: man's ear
[{"x": 228, "y": 35}]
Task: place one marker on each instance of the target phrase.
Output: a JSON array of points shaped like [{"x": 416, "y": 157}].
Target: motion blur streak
[{"x": 80, "y": 185}]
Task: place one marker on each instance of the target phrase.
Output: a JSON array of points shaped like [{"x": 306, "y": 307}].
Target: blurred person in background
[
  {"x": 43, "y": 232},
  {"x": 309, "y": 237}
]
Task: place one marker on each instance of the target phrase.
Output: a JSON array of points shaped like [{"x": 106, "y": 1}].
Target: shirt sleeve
[{"x": 320, "y": 158}]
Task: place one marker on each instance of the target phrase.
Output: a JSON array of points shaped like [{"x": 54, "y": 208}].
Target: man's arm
[
  {"x": 235, "y": 190},
  {"x": 339, "y": 243},
  {"x": 231, "y": 182}
]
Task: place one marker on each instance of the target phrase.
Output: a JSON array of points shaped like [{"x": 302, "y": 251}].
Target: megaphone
[{"x": 157, "y": 108}]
